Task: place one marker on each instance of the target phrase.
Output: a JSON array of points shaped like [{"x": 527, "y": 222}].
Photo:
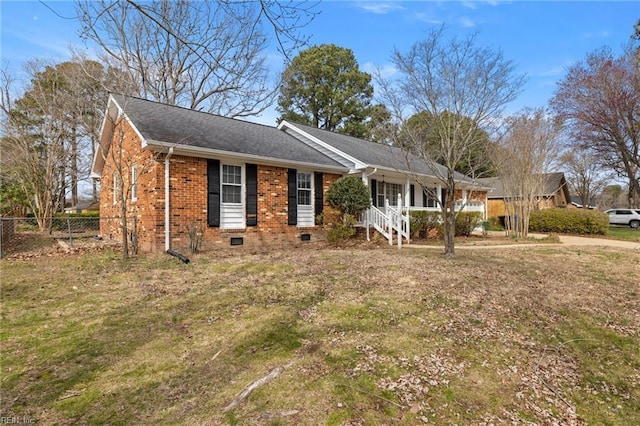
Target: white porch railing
[
  {"x": 390, "y": 221},
  {"x": 380, "y": 221},
  {"x": 397, "y": 219},
  {"x": 471, "y": 206}
]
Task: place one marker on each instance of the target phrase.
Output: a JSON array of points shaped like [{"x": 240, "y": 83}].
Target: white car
[{"x": 628, "y": 217}]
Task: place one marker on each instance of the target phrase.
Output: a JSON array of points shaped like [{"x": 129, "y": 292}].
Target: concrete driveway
[
  {"x": 584, "y": 241},
  {"x": 565, "y": 240}
]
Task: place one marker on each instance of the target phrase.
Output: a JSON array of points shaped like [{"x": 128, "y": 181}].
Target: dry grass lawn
[{"x": 365, "y": 335}]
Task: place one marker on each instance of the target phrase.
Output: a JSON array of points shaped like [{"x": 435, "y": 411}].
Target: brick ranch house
[
  {"x": 240, "y": 182},
  {"x": 554, "y": 194}
]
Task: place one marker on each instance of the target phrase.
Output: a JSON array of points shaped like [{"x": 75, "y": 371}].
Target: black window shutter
[
  {"x": 252, "y": 195},
  {"x": 374, "y": 192},
  {"x": 213, "y": 193},
  {"x": 293, "y": 196},
  {"x": 318, "y": 197},
  {"x": 425, "y": 197},
  {"x": 412, "y": 195}
]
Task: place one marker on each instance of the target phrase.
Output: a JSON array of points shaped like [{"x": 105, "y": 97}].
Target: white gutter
[
  {"x": 194, "y": 151},
  {"x": 167, "y": 224},
  {"x": 365, "y": 176}
]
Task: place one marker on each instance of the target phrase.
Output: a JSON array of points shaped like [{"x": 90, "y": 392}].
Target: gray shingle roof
[
  {"x": 175, "y": 125},
  {"x": 376, "y": 154},
  {"x": 552, "y": 182}
]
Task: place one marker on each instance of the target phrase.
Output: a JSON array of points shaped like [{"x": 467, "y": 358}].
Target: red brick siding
[
  {"x": 188, "y": 200},
  {"x": 189, "y": 206},
  {"x": 147, "y": 210}
]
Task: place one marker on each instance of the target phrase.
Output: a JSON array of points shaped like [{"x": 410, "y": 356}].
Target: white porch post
[
  {"x": 407, "y": 194},
  {"x": 366, "y": 218},
  {"x": 388, "y": 221},
  {"x": 407, "y": 200},
  {"x": 399, "y": 220},
  {"x": 367, "y": 213}
]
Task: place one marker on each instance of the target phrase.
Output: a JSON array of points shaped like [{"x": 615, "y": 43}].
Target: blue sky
[{"x": 543, "y": 38}]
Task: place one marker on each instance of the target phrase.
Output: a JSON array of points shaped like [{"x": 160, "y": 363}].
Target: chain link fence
[{"x": 19, "y": 234}]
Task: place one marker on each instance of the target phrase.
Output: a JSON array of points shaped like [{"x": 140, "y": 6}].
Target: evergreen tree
[{"x": 323, "y": 87}]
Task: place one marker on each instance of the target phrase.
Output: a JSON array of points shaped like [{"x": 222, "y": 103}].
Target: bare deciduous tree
[
  {"x": 527, "y": 151},
  {"x": 54, "y": 124},
  {"x": 463, "y": 88},
  {"x": 612, "y": 196},
  {"x": 599, "y": 100},
  {"x": 584, "y": 175},
  {"x": 204, "y": 55},
  {"x": 35, "y": 148}
]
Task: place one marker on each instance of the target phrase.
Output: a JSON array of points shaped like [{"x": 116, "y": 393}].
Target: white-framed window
[
  {"x": 231, "y": 184},
  {"x": 134, "y": 182},
  {"x": 304, "y": 189},
  {"x": 388, "y": 191}
]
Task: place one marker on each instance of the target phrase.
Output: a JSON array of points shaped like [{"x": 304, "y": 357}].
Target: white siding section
[
  {"x": 232, "y": 216},
  {"x": 305, "y": 216}
]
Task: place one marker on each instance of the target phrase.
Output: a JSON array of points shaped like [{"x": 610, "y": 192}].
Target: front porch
[{"x": 395, "y": 220}]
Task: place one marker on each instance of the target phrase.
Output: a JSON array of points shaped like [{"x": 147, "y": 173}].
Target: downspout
[
  {"x": 167, "y": 224},
  {"x": 366, "y": 176}
]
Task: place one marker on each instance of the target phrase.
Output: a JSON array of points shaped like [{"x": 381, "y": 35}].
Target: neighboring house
[
  {"x": 576, "y": 202},
  {"x": 83, "y": 206},
  {"x": 240, "y": 182},
  {"x": 554, "y": 194}
]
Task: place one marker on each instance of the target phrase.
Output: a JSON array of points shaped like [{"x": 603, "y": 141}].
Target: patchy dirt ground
[{"x": 539, "y": 334}]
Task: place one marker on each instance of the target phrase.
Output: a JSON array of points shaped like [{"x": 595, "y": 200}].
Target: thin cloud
[
  {"x": 379, "y": 8},
  {"x": 48, "y": 43},
  {"x": 475, "y": 4},
  {"x": 549, "y": 72},
  {"x": 384, "y": 71},
  {"x": 597, "y": 35},
  {"x": 428, "y": 18},
  {"x": 466, "y": 22},
  {"x": 553, "y": 70}
]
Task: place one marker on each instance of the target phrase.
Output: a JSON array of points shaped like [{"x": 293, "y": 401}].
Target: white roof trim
[
  {"x": 326, "y": 149},
  {"x": 113, "y": 113}
]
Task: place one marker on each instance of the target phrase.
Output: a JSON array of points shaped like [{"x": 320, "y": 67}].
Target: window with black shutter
[
  {"x": 292, "y": 199},
  {"x": 318, "y": 194},
  {"x": 252, "y": 195},
  {"x": 213, "y": 193}
]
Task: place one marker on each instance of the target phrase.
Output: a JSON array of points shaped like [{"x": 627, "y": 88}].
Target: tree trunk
[
  {"x": 74, "y": 168},
  {"x": 449, "y": 216},
  {"x": 450, "y": 234},
  {"x": 125, "y": 228},
  {"x": 634, "y": 194}
]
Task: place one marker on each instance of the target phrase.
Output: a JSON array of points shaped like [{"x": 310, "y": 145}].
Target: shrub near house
[
  {"x": 428, "y": 224},
  {"x": 573, "y": 221}
]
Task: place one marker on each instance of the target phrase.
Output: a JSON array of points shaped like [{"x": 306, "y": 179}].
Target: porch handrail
[
  {"x": 390, "y": 220},
  {"x": 380, "y": 222},
  {"x": 399, "y": 222}
]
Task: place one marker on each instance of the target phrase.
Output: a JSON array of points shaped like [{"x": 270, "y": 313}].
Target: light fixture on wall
[{"x": 383, "y": 179}]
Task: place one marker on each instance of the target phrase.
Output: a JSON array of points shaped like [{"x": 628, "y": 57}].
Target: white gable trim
[
  {"x": 113, "y": 113},
  {"x": 323, "y": 147}
]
